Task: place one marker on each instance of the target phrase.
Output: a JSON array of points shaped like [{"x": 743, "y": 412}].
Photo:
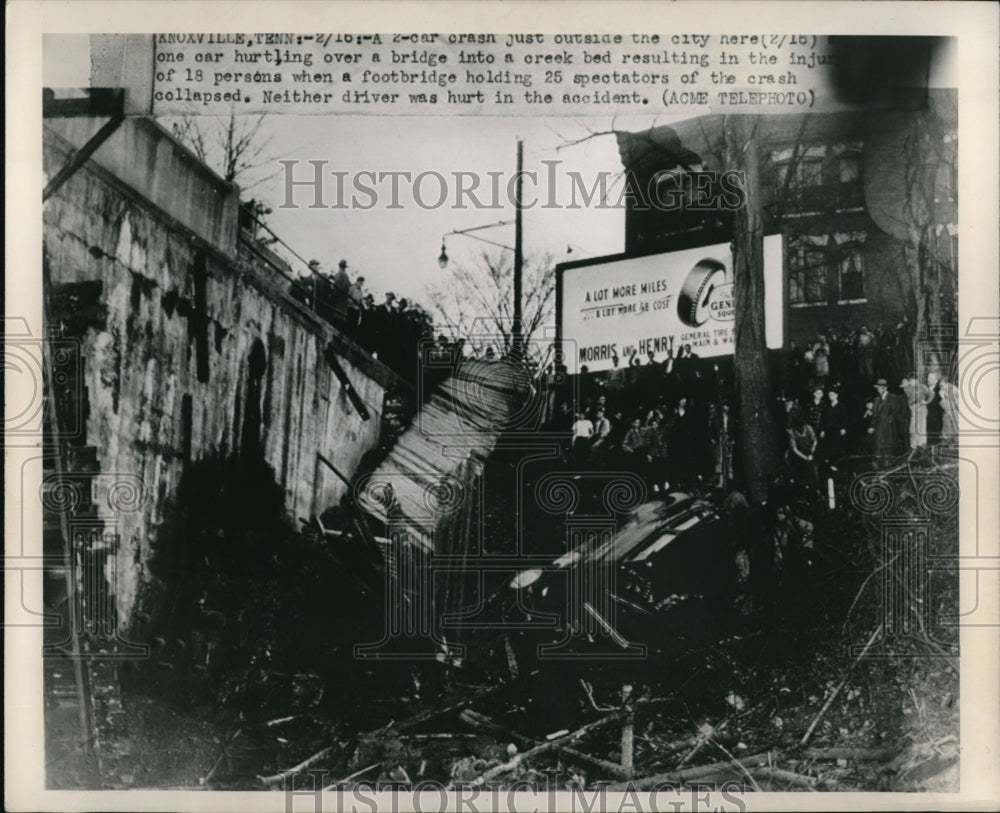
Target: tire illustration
[{"x": 696, "y": 292}]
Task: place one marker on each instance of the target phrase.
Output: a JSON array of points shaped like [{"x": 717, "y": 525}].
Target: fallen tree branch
[
  {"x": 628, "y": 733},
  {"x": 444, "y": 735},
  {"x": 223, "y": 755},
  {"x": 280, "y": 720},
  {"x": 354, "y": 775},
  {"x": 697, "y": 772},
  {"x": 563, "y": 740},
  {"x": 610, "y": 768},
  {"x": 858, "y": 754},
  {"x": 705, "y": 735},
  {"x": 306, "y": 763},
  {"x": 558, "y": 742},
  {"x": 861, "y": 590},
  {"x": 480, "y": 722},
  {"x": 443, "y": 708},
  {"x": 487, "y": 725},
  {"x": 833, "y": 695},
  {"x": 738, "y": 764},
  {"x": 791, "y": 778},
  {"x": 671, "y": 747},
  {"x": 589, "y": 691}
]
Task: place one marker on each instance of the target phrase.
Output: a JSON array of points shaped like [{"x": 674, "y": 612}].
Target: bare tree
[
  {"x": 235, "y": 147},
  {"x": 478, "y": 298},
  {"x": 911, "y": 193}
]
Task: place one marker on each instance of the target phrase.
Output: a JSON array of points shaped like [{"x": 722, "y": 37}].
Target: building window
[
  {"x": 849, "y": 180},
  {"x": 805, "y": 187},
  {"x": 807, "y": 275},
  {"x": 852, "y": 274}
]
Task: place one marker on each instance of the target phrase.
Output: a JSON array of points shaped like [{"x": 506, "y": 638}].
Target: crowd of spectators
[
  {"x": 857, "y": 394},
  {"x": 666, "y": 417},
  {"x": 669, "y": 417},
  {"x": 853, "y": 360},
  {"x": 390, "y": 331}
]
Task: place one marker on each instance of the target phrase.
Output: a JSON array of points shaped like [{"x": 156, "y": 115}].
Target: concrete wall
[
  {"x": 143, "y": 155},
  {"x": 168, "y": 324}
]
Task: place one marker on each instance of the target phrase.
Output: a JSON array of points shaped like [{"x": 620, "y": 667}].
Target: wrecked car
[{"x": 664, "y": 582}]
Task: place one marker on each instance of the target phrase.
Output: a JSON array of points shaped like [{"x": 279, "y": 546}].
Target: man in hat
[
  {"x": 355, "y": 303},
  {"x": 885, "y": 423},
  {"x": 385, "y": 327},
  {"x": 389, "y": 306},
  {"x": 368, "y": 329},
  {"x": 340, "y": 286}
]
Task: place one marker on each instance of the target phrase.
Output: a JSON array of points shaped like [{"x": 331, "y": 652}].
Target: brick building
[{"x": 836, "y": 186}]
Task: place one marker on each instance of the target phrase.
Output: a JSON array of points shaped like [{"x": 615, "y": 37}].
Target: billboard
[{"x": 660, "y": 302}]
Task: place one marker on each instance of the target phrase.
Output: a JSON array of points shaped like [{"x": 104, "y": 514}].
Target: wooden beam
[{"x": 79, "y": 157}]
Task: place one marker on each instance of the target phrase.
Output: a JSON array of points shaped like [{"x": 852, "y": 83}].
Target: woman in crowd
[
  {"x": 802, "y": 450},
  {"x": 916, "y": 396},
  {"x": 656, "y": 453},
  {"x": 816, "y": 409},
  {"x": 634, "y": 446},
  {"x": 863, "y": 435},
  {"x": 583, "y": 431},
  {"x": 949, "y": 405},
  {"x": 821, "y": 362}
]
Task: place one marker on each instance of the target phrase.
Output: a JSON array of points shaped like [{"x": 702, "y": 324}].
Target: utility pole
[{"x": 518, "y": 327}]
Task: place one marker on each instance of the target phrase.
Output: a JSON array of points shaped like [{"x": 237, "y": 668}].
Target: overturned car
[{"x": 665, "y": 582}]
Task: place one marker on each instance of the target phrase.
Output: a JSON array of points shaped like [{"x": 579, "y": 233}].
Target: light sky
[{"x": 397, "y": 249}]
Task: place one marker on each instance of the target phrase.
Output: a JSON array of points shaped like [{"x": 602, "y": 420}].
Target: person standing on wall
[
  {"x": 385, "y": 322},
  {"x": 355, "y": 304}
]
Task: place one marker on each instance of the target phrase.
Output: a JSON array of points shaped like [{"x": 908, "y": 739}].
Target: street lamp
[{"x": 444, "y": 259}]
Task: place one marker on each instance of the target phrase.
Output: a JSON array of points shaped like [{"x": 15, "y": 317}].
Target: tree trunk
[{"x": 752, "y": 364}]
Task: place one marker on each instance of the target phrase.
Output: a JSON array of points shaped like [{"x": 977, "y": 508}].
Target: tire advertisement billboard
[{"x": 659, "y": 303}]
